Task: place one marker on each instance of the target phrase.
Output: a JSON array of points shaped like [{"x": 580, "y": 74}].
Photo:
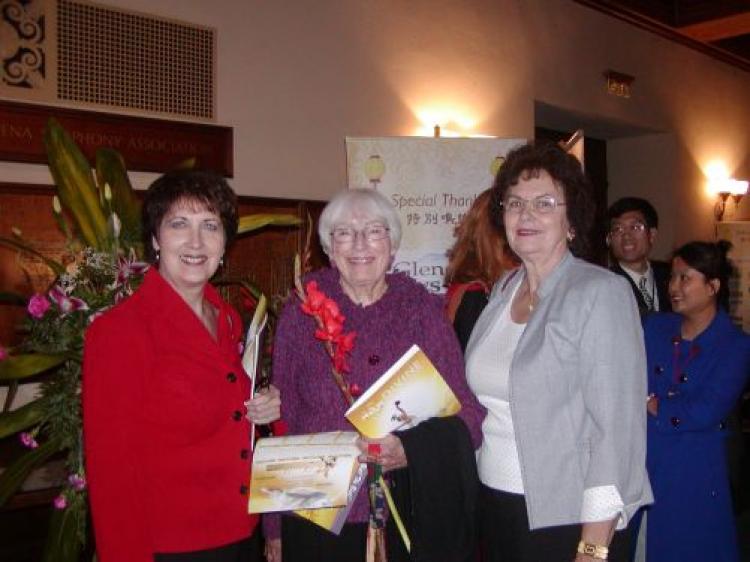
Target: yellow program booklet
[
  {"x": 410, "y": 391},
  {"x": 303, "y": 471},
  {"x": 333, "y": 518}
]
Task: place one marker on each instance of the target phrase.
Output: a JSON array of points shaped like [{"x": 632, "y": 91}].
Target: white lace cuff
[{"x": 603, "y": 503}]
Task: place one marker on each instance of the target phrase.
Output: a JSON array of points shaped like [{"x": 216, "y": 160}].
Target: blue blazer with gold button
[{"x": 698, "y": 384}]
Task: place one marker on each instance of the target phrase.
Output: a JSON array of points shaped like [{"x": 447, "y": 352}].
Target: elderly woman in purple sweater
[{"x": 430, "y": 467}]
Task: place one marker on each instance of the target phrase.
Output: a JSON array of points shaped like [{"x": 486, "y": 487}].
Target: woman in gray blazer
[{"x": 557, "y": 358}]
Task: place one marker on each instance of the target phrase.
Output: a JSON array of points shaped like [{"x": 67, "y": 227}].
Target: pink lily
[
  {"x": 65, "y": 303},
  {"x": 77, "y": 482},
  {"x": 28, "y": 440},
  {"x": 38, "y": 305},
  {"x": 127, "y": 267},
  {"x": 60, "y": 502}
]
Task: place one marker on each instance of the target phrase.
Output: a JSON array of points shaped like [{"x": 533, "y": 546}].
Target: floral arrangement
[
  {"x": 91, "y": 284},
  {"x": 99, "y": 216}
]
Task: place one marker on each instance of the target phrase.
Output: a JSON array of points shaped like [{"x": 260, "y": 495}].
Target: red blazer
[{"x": 165, "y": 435}]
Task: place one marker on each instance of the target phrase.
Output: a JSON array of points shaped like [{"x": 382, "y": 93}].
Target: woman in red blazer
[{"x": 166, "y": 430}]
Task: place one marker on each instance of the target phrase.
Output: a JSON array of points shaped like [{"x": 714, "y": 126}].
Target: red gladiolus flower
[
  {"x": 339, "y": 362},
  {"x": 330, "y": 328},
  {"x": 345, "y": 342},
  {"x": 332, "y": 322},
  {"x": 315, "y": 299}
]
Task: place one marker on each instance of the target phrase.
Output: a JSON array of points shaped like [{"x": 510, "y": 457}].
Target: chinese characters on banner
[
  {"x": 432, "y": 182},
  {"x": 738, "y": 233}
]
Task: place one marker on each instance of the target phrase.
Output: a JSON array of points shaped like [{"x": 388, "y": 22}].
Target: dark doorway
[{"x": 595, "y": 157}]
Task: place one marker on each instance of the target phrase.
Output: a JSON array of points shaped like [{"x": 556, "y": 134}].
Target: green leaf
[
  {"x": 75, "y": 185},
  {"x": 25, "y": 417},
  {"x": 20, "y": 246},
  {"x": 248, "y": 223},
  {"x": 187, "y": 164},
  {"x": 62, "y": 544},
  {"x": 23, "y": 366},
  {"x": 15, "y": 474},
  {"x": 12, "y": 298},
  {"x": 110, "y": 169}
]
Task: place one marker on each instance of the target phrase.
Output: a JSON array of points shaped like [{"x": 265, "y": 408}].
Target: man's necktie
[{"x": 647, "y": 296}]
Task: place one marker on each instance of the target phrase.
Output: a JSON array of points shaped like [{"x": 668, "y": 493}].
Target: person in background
[
  {"x": 698, "y": 365},
  {"x": 165, "y": 398},
  {"x": 433, "y": 462},
  {"x": 475, "y": 262},
  {"x": 557, "y": 358},
  {"x": 633, "y": 224}
]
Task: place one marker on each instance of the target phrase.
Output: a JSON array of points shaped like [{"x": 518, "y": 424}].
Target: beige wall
[{"x": 296, "y": 77}]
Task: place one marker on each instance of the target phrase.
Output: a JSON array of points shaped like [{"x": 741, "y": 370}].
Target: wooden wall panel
[{"x": 265, "y": 257}]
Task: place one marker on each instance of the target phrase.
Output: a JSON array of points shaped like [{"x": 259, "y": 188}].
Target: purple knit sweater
[{"x": 405, "y": 315}]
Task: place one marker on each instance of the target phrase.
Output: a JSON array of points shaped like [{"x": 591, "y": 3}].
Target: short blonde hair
[{"x": 367, "y": 201}]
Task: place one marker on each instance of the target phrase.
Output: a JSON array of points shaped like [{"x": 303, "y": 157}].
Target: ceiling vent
[{"x": 88, "y": 55}]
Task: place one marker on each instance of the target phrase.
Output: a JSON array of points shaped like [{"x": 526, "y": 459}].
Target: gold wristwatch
[{"x": 597, "y": 551}]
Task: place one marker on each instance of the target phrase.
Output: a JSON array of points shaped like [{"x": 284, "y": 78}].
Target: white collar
[{"x": 636, "y": 275}]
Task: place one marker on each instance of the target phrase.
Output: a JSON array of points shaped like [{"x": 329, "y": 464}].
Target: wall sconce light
[
  {"x": 374, "y": 169},
  {"x": 618, "y": 84},
  {"x": 723, "y": 189}
]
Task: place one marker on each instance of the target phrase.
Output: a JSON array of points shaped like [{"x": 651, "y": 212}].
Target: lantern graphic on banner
[{"x": 374, "y": 169}]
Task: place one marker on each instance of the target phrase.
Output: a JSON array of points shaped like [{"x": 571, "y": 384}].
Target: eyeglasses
[
  {"x": 544, "y": 204},
  {"x": 633, "y": 228},
  {"x": 345, "y": 235}
]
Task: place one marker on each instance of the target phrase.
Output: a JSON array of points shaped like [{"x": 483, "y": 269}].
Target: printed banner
[{"x": 432, "y": 182}]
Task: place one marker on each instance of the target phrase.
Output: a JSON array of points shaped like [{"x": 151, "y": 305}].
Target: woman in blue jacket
[{"x": 698, "y": 365}]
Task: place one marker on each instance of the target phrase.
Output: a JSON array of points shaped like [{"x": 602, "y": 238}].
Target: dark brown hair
[
  {"x": 528, "y": 161},
  {"x": 710, "y": 258},
  {"x": 206, "y": 189},
  {"x": 479, "y": 251}
]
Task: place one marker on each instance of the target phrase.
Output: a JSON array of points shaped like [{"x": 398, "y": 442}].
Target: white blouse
[{"x": 488, "y": 374}]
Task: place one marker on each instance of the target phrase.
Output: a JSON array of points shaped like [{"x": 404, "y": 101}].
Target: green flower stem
[
  {"x": 24, "y": 366},
  {"x": 22, "y": 418},
  {"x": 14, "y": 475}
]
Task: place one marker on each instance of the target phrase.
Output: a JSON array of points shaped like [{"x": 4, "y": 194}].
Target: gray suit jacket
[{"x": 577, "y": 391}]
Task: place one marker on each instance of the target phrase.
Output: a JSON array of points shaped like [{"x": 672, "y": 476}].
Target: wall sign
[{"x": 148, "y": 145}]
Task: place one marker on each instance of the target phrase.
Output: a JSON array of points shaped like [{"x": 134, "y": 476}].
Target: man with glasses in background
[{"x": 633, "y": 223}]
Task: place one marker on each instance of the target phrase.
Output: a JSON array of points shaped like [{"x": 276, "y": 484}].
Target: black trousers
[
  {"x": 247, "y": 550},
  {"x": 504, "y": 534},
  {"x": 302, "y": 541}
]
